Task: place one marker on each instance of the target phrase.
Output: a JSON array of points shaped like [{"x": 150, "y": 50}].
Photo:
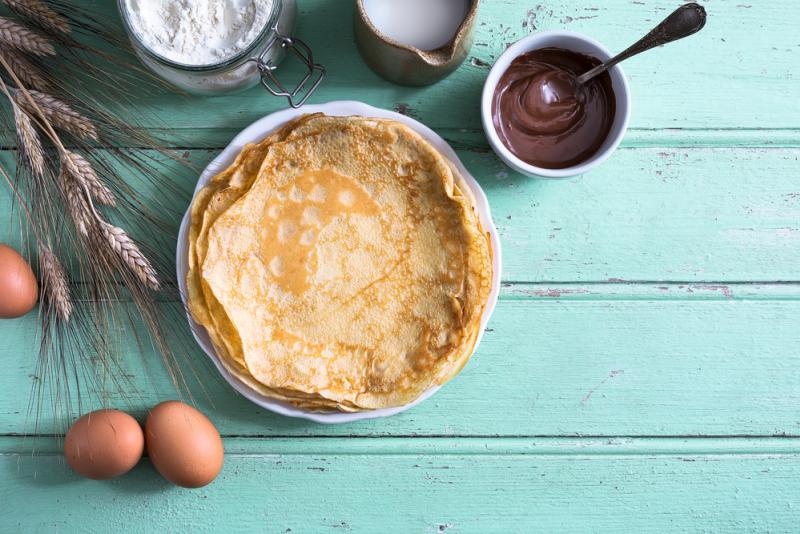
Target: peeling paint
[
  {"x": 555, "y": 293},
  {"x": 611, "y": 374},
  {"x": 725, "y": 290},
  {"x": 405, "y": 109},
  {"x": 477, "y": 62}
]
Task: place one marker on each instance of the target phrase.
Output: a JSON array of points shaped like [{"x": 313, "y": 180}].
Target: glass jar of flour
[{"x": 215, "y": 47}]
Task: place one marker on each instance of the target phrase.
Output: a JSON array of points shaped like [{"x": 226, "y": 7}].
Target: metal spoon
[{"x": 683, "y": 22}]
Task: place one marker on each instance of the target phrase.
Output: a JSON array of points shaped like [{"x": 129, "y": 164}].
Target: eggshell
[
  {"x": 183, "y": 444},
  {"x": 104, "y": 444},
  {"x": 18, "y": 287}
]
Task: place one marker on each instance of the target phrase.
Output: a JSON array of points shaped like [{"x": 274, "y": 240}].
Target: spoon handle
[{"x": 683, "y": 22}]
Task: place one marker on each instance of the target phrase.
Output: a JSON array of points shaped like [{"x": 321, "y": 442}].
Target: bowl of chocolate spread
[{"x": 539, "y": 121}]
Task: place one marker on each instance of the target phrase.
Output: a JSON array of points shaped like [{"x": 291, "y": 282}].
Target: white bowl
[
  {"x": 570, "y": 41},
  {"x": 259, "y": 130}
]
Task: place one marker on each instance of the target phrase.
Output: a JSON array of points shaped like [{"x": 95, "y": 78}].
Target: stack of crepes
[{"x": 339, "y": 264}]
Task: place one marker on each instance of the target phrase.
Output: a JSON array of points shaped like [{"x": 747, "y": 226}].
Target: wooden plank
[
  {"x": 317, "y": 488},
  {"x": 705, "y": 343},
  {"x": 654, "y": 214},
  {"x": 649, "y": 292},
  {"x": 547, "y": 366},
  {"x": 720, "y": 78},
  {"x": 685, "y": 215},
  {"x": 465, "y": 446},
  {"x": 711, "y": 80},
  {"x": 219, "y": 137}
]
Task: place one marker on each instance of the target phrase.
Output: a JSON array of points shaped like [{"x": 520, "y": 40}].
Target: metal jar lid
[{"x": 265, "y": 53}]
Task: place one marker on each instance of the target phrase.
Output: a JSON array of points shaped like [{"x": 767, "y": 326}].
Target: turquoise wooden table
[{"x": 641, "y": 371}]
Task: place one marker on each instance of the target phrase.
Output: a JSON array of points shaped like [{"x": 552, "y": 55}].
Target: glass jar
[{"x": 253, "y": 64}]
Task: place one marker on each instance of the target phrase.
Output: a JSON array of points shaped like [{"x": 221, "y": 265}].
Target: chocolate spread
[{"x": 544, "y": 117}]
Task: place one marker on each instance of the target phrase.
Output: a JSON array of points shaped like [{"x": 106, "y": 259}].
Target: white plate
[{"x": 258, "y": 131}]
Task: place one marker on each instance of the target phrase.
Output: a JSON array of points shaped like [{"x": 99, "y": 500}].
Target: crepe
[
  {"x": 211, "y": 201},
  {"x": 222, "y": 190},
  {"x": 350, "y": 272}
]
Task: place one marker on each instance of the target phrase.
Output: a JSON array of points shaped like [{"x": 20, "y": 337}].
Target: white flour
[{"x": 198, "y": 32}]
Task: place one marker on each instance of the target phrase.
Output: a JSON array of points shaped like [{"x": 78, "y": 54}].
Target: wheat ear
[
  {"x": 82, "y": 171},
  {"x": 55, "y": 287},
  {"x": 87, "y": 218},
  {"x": 28, "y": 140},
  {"x": 21, "y": 38},
  {"x": 77, "y": 207},
  {"x": 40, "y": 14},
  {"x": 26, "y": 70},
  {"x": 58, "y": 112},
  {"x": 126, "y": 249}
]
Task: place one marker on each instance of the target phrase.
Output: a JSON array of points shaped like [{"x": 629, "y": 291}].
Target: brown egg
[
  {"x": 18, "y": 287},
  {"x": 104, "y": 444},
  {"x": 183, "y": 444}
]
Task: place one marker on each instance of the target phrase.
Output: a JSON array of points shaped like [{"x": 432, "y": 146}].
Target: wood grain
[
  {"x": 641, "y": 372},
  {"x": 611, "y": 487},
  {"x": 712, "y": 215},
  {"x": 547, "y": 366},
  {"x": 739, "y": 72}
]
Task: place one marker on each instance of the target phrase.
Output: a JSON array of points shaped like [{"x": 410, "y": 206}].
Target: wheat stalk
[
  {"x": 126, "y": 249},
  {"x": 29, "y": 142},
  {"x": 40, "y": 14},
  {"x": 82, "y": 171},
  {"x": 25, "y": 40},
  {"x": 74, "y": 100},
  {"x": 26, "y": 70},
  {"x": 58, "y": 112},
  {"x": 55, "y": 286}
]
